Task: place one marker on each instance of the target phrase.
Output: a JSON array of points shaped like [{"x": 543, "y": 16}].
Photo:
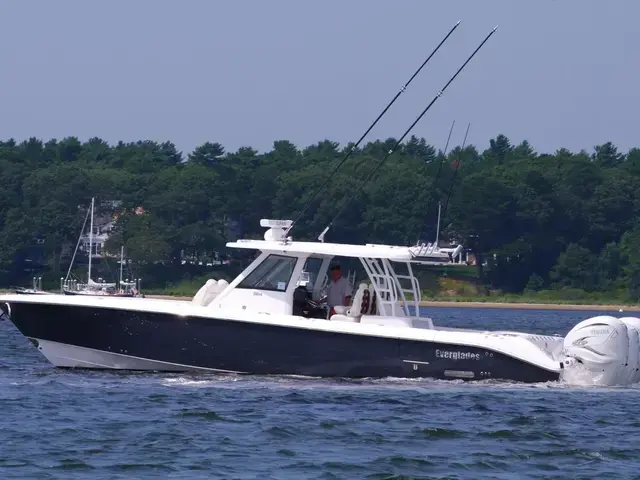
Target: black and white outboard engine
[{"x": 603, "y": 351}]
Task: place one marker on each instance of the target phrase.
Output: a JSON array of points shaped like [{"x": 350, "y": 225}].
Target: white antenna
[
  {"x": 121, "y": 263},
  {"x": 438, "y": 227},
  {"x": 324, "y": 232}
]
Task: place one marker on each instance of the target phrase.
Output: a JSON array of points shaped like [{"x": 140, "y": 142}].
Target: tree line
[{"x": 566, "y": 220}]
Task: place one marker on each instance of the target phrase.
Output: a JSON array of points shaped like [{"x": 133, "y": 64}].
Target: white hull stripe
[{"x": 71, "y": 356}]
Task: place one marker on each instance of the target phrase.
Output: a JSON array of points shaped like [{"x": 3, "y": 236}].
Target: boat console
[
  {"x": 271, "y": 284},
  {"x": 305, "y": 306}
]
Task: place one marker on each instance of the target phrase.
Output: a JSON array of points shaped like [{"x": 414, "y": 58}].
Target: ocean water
[{"x": 66, "y": 425}]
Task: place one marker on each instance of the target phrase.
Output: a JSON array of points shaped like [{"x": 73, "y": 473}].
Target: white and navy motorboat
[
  {"x": 267, "y": 322},
  {"x": 270, "y": 319}
]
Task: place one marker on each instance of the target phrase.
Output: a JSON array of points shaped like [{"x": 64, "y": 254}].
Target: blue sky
[{"x": 559, "y": 73}]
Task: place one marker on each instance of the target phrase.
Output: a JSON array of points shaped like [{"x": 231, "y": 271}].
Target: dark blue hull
[{"x": 255, "y": 348}]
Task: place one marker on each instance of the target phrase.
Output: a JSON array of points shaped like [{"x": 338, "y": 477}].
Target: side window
[
  {"x": 309, "y": 274},
  {"x": 274, "y": 273}
]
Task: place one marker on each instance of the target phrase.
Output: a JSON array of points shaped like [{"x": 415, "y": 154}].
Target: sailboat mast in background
[{"x": 90, "y": 242}]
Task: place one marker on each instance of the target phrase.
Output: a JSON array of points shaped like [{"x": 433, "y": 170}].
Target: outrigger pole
[
  {"x": 455, "y": 170},
  {"x": 397, "y": 144},
  {"x": 353, "y": 147}
]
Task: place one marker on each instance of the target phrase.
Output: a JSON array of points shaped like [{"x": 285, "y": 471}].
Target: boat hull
[
  {"x": 97, "y": 293},
  {"x": 116, "y": 338}
]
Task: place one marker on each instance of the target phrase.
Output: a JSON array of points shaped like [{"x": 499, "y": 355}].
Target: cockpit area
[{"x": 291, "y": 278}]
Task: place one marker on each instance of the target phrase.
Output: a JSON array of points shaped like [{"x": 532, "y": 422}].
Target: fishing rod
[
  {"x": 435, "y": 184},
  {"x": 353, "y": 147},
  {"x": 455, "y": 170},
  {"x": 427, "y": 108}
]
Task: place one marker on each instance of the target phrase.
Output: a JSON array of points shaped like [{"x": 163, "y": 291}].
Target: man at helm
[{"x": 338, "y": 291}]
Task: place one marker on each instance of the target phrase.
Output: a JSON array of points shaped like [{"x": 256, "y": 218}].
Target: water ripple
[{"x": 67, "y": 425}]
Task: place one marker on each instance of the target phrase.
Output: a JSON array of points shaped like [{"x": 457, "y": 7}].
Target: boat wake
[{"x": 393, "y": 383}]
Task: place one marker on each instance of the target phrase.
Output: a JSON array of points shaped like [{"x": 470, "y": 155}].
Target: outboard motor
[
  {"x": 633, "y": 327},
  {"x": 597, "y": 351}
]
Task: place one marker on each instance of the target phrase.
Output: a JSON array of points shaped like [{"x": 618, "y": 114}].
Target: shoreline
[
  {"x": 613, "y": 307},
  {"x": 501, "y": 305},
  {"x": 532, "y": 306}
]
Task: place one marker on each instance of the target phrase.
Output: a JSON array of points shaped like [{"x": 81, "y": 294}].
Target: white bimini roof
[
  {"x": 276, "y": 242},
  {"x": 390, "y": 252},
  {"x": 399, "y": 254}
]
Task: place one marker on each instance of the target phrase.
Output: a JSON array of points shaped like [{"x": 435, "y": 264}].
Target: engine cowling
[
  {"x": 597, "y": 352},
  {"x": 633, "y": 327}
]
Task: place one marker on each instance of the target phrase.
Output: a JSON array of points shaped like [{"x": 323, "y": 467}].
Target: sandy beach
[{"x": 534, "y": 306}]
